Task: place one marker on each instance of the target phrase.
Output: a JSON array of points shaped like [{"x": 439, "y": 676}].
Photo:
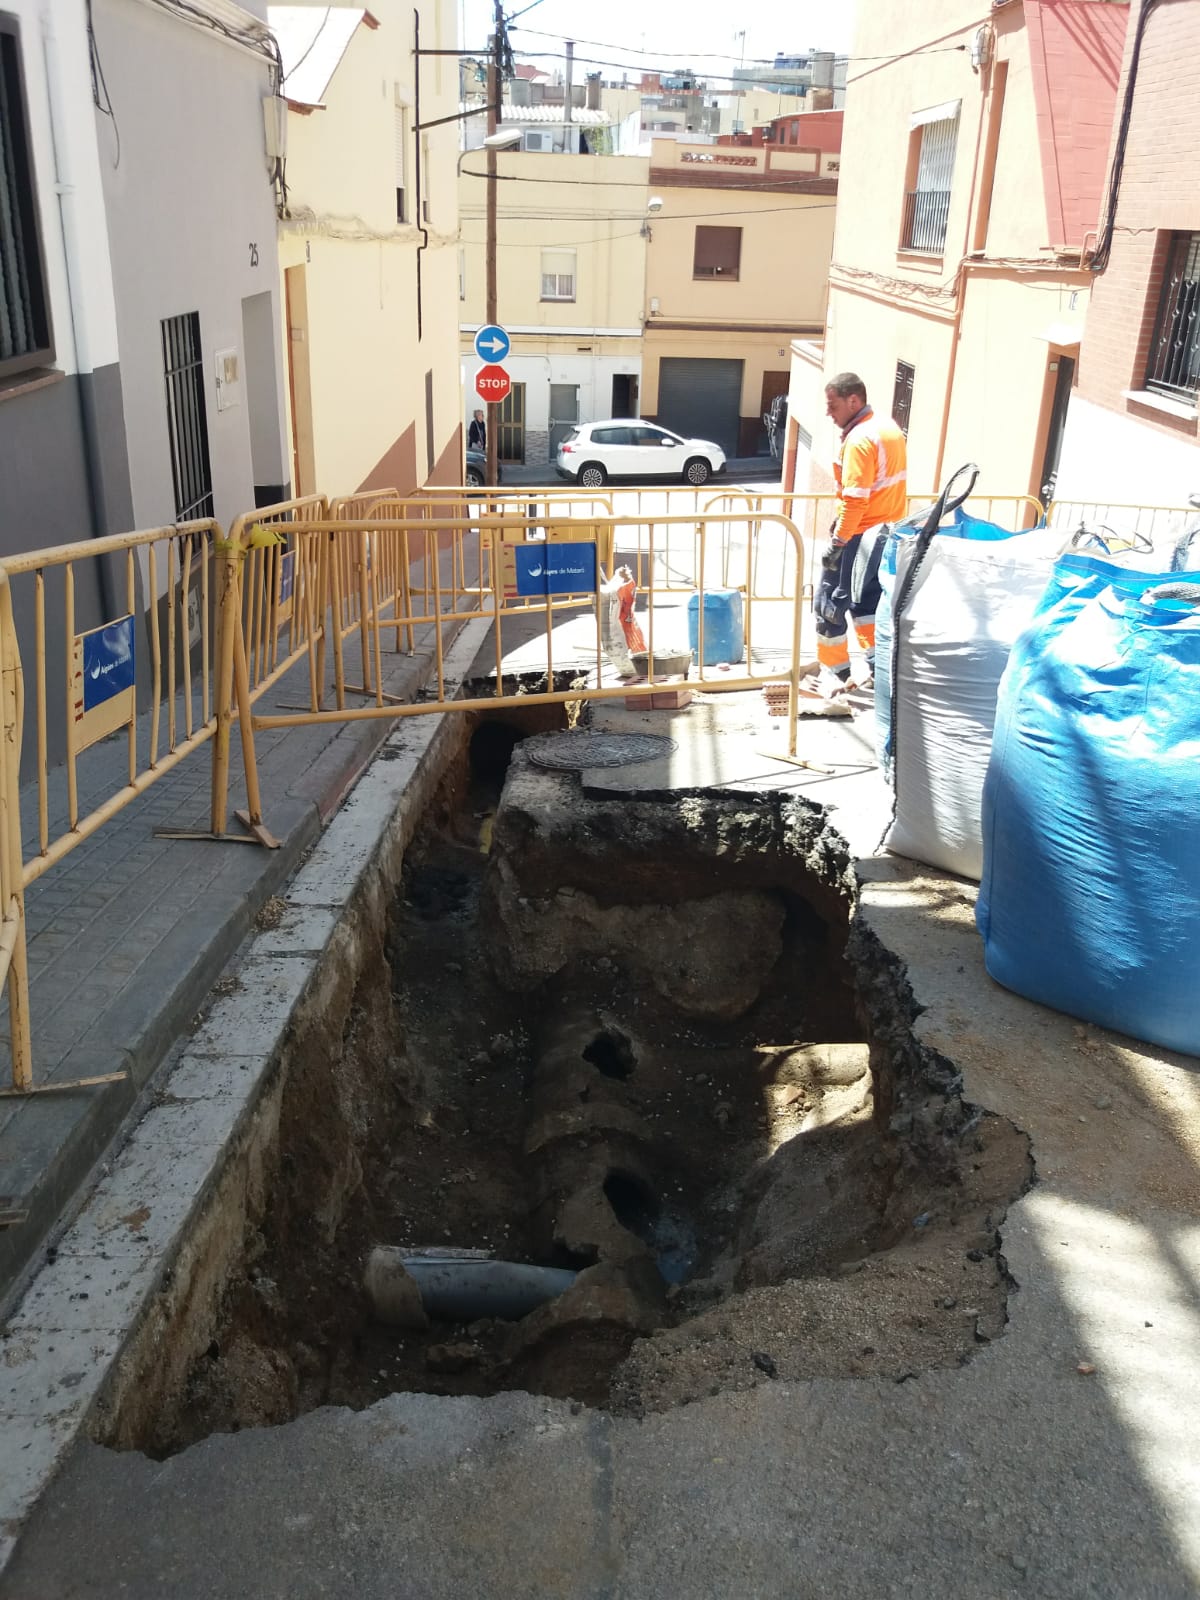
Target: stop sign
[{"x": 492, "y": 384}]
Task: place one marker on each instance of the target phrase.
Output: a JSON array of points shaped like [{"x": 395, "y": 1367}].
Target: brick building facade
[{"x": 1132, "y": 430}]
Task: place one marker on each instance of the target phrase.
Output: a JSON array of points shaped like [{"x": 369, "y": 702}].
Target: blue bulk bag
[{"x": 1090, "y": 896}]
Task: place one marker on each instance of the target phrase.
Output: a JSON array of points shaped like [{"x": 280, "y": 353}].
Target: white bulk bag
[{"x": 966, "y": 607}]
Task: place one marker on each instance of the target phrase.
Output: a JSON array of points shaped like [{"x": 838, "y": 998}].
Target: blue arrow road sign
[{"x": 492, "y": 343}]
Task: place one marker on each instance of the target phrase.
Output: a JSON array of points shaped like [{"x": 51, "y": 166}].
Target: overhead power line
[
  {"x": 634, "y": 183},
  {"x": 658, "y": 217},
  {"x": 674, "y": 69}
]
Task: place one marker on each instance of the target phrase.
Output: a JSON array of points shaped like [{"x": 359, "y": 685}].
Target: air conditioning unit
[{"x": 538, "y": 141}]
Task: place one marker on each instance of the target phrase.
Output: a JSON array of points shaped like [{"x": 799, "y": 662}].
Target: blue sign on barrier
[
  {"x": 287, "y": 576},
  {"x": 555, "y": 568},
  {"x": 108, "y": 662}
]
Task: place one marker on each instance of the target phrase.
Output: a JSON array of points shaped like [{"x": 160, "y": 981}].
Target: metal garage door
[{"x": 701, "y": 398}]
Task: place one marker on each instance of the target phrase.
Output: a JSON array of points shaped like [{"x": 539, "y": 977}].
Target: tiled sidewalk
[{"x": 129, "y": 931}]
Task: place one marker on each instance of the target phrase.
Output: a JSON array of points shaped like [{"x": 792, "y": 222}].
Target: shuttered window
[
  {"x": 25, "y": 339},
  {"x": 558, "y": 274},
  {"x": 718, "y": 253},
  {"x": 902, "y": 395}
]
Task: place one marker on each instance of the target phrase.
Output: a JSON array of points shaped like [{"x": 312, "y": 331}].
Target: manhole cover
[{"x": 571, "y": 752}]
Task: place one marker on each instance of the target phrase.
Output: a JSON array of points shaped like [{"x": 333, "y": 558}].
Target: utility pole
[
  {"x": 490, "y": 316},
  {"x": 570, "y": 89}
]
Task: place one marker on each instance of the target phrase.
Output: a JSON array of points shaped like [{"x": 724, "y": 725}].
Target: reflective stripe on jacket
[{"x": 871, "y": 475}]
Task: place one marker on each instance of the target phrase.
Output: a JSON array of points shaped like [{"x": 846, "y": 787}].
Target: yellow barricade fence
[
  {"x": 175, "y": 632},
  {"x": 1097, "y": 525},
  {"x": 447, "y": 543},
  {"x": 135, "y": 614}
]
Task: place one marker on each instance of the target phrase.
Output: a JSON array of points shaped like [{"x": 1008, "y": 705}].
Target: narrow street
[{"x": 599, "y": 687}]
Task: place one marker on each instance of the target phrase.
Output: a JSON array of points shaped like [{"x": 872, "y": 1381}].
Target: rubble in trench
[{"x": 644, "y": 1040}]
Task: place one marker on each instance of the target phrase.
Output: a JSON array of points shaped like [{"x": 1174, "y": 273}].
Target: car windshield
[{"x": 571, "y": 433}]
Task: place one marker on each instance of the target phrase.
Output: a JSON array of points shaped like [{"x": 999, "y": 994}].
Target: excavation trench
[{"x": 647, "y": 1041}]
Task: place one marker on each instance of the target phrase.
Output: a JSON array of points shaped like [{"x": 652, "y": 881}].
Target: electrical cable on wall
[
  {"x": 99, "y": 86},
  {"x": 1099, "y": 260},
  {"x": 261, "y": 41}
]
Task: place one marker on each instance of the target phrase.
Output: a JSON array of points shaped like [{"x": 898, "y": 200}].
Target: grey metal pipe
[{"x": 408, "y": 1287}]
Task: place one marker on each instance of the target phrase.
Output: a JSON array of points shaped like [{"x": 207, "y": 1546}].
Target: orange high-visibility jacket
[{"x": 871, "y": 475}]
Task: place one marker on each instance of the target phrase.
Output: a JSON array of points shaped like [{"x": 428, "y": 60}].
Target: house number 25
[{"x": 253, "y": 255}]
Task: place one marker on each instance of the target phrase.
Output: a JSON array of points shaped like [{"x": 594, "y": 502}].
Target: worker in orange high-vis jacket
[{"x": 871, "y": 473}]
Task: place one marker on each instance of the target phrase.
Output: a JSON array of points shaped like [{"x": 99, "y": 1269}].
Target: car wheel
[
  {"x": 591, "y": 476},
  {"x": 697, "y": 471},
  {"x": 474, "y": 478}
]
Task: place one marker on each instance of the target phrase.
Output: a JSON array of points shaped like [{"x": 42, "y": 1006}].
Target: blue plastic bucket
[{"x": 724, "y": 639}]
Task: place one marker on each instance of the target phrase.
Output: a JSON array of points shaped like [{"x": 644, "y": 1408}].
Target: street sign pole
[{"x": 489, "y": 253}]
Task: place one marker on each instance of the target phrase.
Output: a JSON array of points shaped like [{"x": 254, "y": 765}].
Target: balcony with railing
[{"x": 925, "y": 215}]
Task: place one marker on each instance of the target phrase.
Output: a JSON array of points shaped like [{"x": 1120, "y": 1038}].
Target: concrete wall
[
  {"x": 63, "y": 463},
  {"x": 592, "y": 205},
  {"x": 64, "y": 470},
  {"x": 368, "y": 343},
  {"x": 783, "y": 268},
  {"x": 1113, "y": 459},
  {"x": 786, "y": 242},
  {"x": 984, "y": 321},
  {"x": 191, "y": 223}
]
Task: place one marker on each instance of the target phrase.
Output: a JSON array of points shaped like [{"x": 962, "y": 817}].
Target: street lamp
[
  {"x": 500, "y": 139},
  {"x": 505, "y": 139}
]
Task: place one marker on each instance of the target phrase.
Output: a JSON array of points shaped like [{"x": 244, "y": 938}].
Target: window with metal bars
[
  {"x": 927, "y": 205},
  {"x": 902, "y": 395},
  {"x": 25, "y": 332},
  {"x": 1174, "y": 366},
  {"x": 187, "y": 417}
]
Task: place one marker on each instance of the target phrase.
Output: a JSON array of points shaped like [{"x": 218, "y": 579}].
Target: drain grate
[{"x": 571, "y": 752}]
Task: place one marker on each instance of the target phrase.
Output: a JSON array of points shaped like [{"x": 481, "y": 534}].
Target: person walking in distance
[
  {"x": 871, "y": 474},
  {"x": 477, "y": 433}
]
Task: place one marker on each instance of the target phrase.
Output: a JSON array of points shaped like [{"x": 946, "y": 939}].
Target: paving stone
[{"x": 129, "y": 931}]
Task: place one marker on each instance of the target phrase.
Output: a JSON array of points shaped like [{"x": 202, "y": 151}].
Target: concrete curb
[{"x": 58, "y": 1351}]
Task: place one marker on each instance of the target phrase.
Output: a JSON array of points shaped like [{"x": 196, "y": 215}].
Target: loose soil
[{"x": 801, "y": 1225}]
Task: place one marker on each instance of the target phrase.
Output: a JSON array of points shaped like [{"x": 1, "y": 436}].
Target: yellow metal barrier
[
  {"x": 1121, "y": 526},
  {"x": 14, "y": 963},
  {"x": 446, "y": 539},
  {"x": 202, "y": 626},
  {"x": 141, "y": 669},
  {"x": 1020, "y": 512}
]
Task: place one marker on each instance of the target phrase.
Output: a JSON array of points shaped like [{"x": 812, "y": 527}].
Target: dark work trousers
[{"x": 832, "y": 604}]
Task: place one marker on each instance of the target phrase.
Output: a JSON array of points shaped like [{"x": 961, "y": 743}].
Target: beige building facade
[
  {"x": 736, "y": 268},
  {"x": 971, "y": 179},
  {"x": 368, "y": 246},
  {"x": 571, "y": 263}
]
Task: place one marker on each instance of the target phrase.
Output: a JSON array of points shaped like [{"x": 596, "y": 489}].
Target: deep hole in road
[{"x": 646, "y": 1041}]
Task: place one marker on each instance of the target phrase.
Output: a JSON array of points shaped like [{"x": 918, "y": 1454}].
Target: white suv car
[{"x": 629, "y": 448}]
